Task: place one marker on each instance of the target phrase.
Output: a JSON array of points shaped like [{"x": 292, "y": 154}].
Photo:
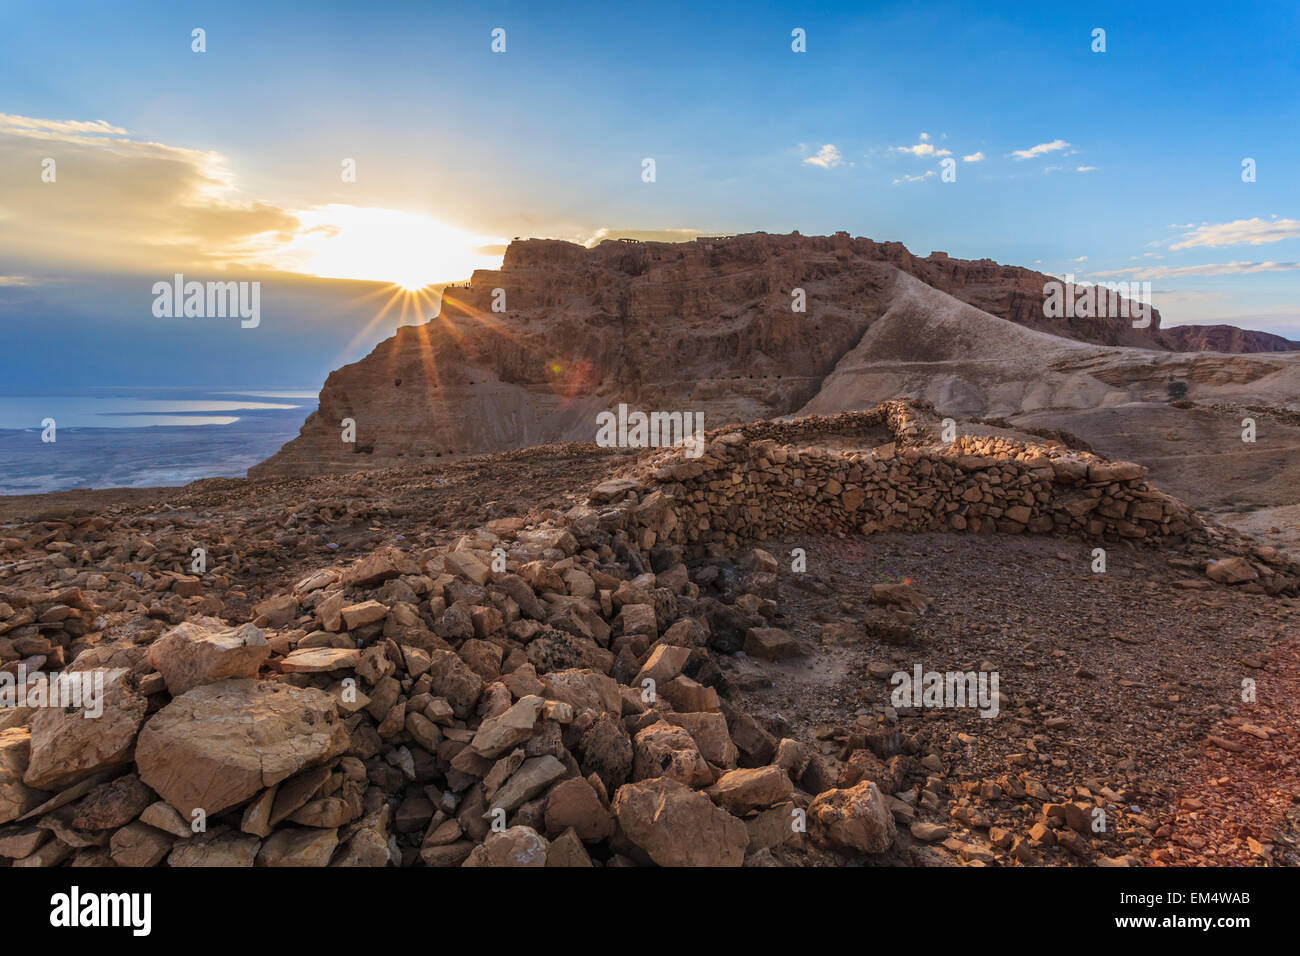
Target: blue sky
[{"x": 1129, "y": 162}]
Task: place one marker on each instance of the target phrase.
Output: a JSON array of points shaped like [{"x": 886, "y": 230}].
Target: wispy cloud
[
  {"x": 1084, "y": 169},
  {"x": 976, "y": 157},
  {"x": 31, "y": 126},
  {"x": 914, "y": 179},
  {"x": 1253, "y": 232},
  {"x": 1208, "y": 269},
  {"x": 828, "y": 157},
  {"x": 1041, "y": 149}
]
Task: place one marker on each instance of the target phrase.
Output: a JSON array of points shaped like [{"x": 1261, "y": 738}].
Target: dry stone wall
[{"x": 765, "y": 479}]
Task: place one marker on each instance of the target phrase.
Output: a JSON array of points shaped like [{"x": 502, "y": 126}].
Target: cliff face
[{"x": 705, "y": 325}]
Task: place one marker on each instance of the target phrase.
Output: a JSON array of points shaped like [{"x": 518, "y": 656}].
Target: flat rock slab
[
  {"x": 218, "y": 745},
  {"x": 315, "y": 660}
]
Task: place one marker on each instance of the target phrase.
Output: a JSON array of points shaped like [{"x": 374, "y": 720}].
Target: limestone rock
[
  {"x": 742, "y": 791},
  {"x": 677, "y": 826},
  {"x": 68, "y": 744},
  {"x": 205, "y": 650},
  {"x": 516, "y": 847},
  {"x": 112, "y": 804},
  {"x": 665, "y": 750},
  {"x": 219, "y": 744},
  {"x": 295, "y": 846},
  {"x": 574, "y": 805},
  {"x": 217, "y": 847},
  {"x": 138, "y": 844},
  {"x": 853, "y": 819},
  {"x": 1231, "y": 571},
  {"x": 16, "y": 798},
  {"x": 498, "y": 734}
]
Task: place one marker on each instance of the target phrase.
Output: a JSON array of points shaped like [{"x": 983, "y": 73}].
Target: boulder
[
  {"x": 70, "y": 743},
  {"x": 518, "y": 846},
  {"x": 1231, "y": 571},
  {"x": 317, "y": 660},
  {"x": 113, "y": 804},
  {"x": 854, "y": 819},
  {"x": 498, "y": 734},
  {"x": 676, "y": 826},
  {"x": 607, "y": 751},
  {"x": 533, "y": 777},
  {"x": 206, "y": 650},
  {"x": 741, "y": 791},
  {"x": 217, "y": 847},
  {"x": 663, "y": 749},
  {"x": 380, "y": 566},
  {"x": 220, "y": 744},
  {"x": 664, "y": 663},
  {"x": 453, "y": 680},
  {"x": 138, "y": 844},
  {"x": 359, "y": 615},
  {"x": 1108, "y": 471},
  {"x": 573, "y": 804}
]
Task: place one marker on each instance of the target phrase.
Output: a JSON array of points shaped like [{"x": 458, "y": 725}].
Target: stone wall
[{"x": 766, "y": 479}]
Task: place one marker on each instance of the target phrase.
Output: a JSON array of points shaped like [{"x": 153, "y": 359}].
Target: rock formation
[{"x": 533, "y": 352}]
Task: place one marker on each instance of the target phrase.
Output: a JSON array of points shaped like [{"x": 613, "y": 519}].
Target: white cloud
[
  {"x": 1084, "y": 169},
  {"x": 1081, "y": 259},
  {"x": 922, "y": 149},
  {"x": 1254, "y": 232},
  {"x": 914, "y": 179},
  {"x": 1040, "y": 149},
  {"x": 828, "y": 157},
  {"x": 976, "y": 157}
]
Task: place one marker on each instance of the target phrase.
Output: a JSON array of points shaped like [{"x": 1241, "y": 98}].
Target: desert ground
[{"x": 444, "y": 709}]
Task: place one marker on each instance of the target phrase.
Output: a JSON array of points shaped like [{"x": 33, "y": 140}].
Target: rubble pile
[{"x": 538, "y": 692}]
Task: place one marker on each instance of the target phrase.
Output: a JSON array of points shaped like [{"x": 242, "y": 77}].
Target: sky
[{"x": 345, "y": 155}]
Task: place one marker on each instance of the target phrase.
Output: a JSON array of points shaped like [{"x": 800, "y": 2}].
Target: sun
[
  {"x": 409, "y": 250},
  {"x": 413, "y": 281}
]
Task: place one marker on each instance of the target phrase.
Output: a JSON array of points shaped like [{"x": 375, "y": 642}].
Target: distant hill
[{"x": 1225, "y": 338}]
